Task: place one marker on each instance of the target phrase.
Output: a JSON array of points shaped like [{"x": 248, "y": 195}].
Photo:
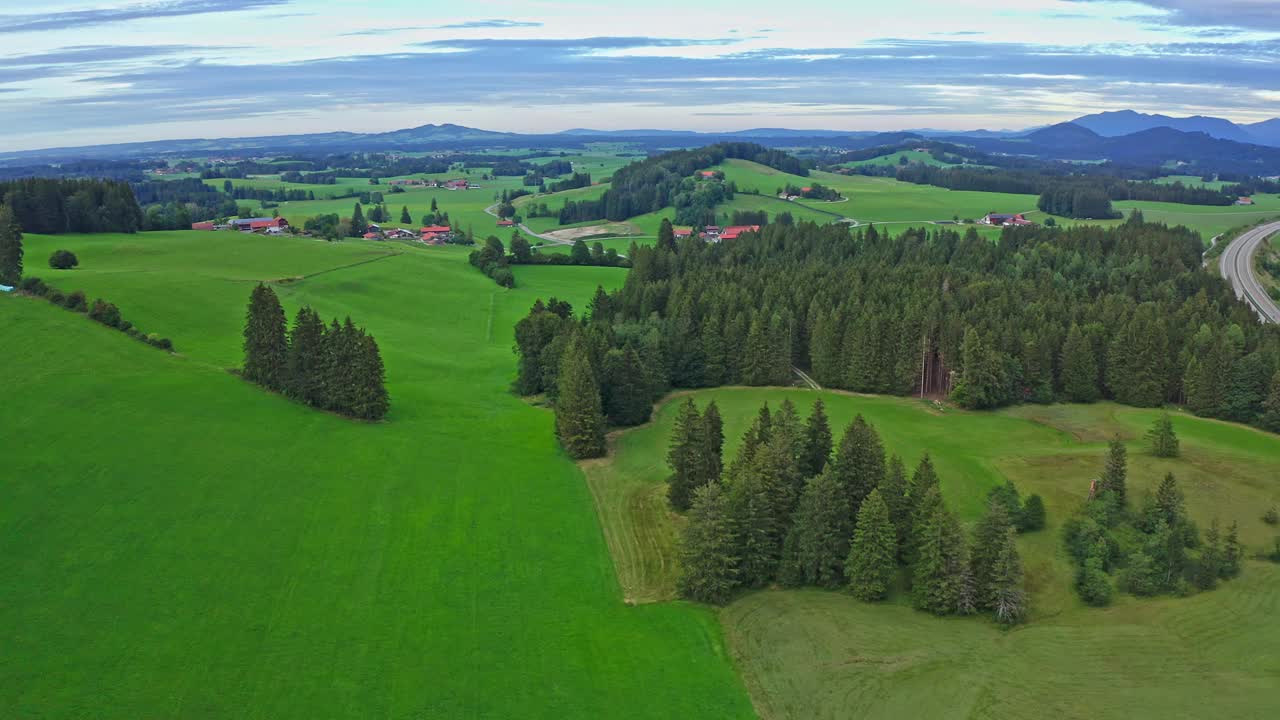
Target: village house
[
  {"x": 400, "y": 234},
  {"x": 732, "y": 232},
  {"x": 1003, "y": 220},
  {"x": 436, "y": 234},
  {"x": 506, "y": 223},
  {"x": 372, "y": 236},
  {"x": 202, "y": 226},
  {"x": 1244, "y": 201},
  {"x": 682, "y": 232},
  {"x": 259, "y": 224}
]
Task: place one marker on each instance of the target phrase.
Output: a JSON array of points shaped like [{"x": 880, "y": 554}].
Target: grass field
[
  {"x": 178, "y": 543},
  {"x": 895, "y": 159},
  {"x": 809, "y": 654}
]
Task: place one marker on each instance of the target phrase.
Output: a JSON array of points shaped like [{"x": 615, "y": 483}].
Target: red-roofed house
[
  {"x": 506, "y": 223},
  {"x": 732, "y": 232},
  {"x": 1244, "y": 201},
  {"x": 202, "y": 226},
  {"x": 682, "y": 232},
  {"x": 1002, "y": 220},
  {"x": 708, "y": 173},
  {"x": 252, "y": 224},
  {"x": 371, "y": 236},
  {"x": 436, "y": 234}
]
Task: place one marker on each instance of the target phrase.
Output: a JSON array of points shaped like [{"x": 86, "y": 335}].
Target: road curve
[{"x": 1236, "y": 266}]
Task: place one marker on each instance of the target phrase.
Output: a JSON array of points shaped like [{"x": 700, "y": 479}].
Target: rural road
[{"x": 1237, "y": 267}]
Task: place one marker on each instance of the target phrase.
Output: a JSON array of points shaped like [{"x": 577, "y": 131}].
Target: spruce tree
[
  {"x": 405, "y": 217},
  {"x": 1010, "y": 597},
  {"x": 759, "y": 544},
  {"x": 711, "y": 445},
  {"x": 1232, "y": 553},
  {"x": 266, "y": 346},
  {"x": 371, "y": 401},
  {"x": 1079, "y": 376},
  {"x": 1209, "y": 569},
  {"x": 859, "y": 464},
  {"x": 708, "y": 548},
  {"x": 893, "y": 491},
  {"x": 1033, "y": 514},
  {"x": 1114, "y": 475},
  {"x": 934, "y": 585},
  {"x": 10, "y": 247},
  {"x": 755, "y": 437},
  {"x": 666, "y": 236},
  {"x": 1169, "y": 502},
  {"x": 684, "y": 456},
  {"x": 579, "y": 418},
  {"x": 1164, "y": 441},
  {"x": 988, "y": 547},
  {"x": 817, "y": 440},
  {"x": 924, "y": 495},
  {"x": 626, "y": 394},
  {"x": 819, "y": 536},
  {"x": 358, "y": 225},
  {"x": 756, "y": 361},
  {"x": 1270, "y": 418},
  {"x": 304, "y": 373},
  {"x": 873, "y": 554}
]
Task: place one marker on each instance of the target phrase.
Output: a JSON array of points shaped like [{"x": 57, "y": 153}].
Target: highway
[{"x": 1236, "y": 266}]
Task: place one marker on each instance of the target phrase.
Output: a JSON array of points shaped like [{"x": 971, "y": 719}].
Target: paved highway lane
[{"x": 1237, "y": 267}]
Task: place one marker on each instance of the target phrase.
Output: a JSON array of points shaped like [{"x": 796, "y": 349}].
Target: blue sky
[{"x": 77, "y": 72}]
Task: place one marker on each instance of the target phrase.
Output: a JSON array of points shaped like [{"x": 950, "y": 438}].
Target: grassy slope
[
  {"x": 177, "y": 543},
  {"x": 895, "y": 159},
  {"x": 814, "y": 654}
]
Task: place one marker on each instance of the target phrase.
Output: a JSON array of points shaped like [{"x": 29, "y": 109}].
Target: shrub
[
  {"x": 1093, "y": 584},
  {"x": 63, "y": 260},
  {"x": 504, "y": 277},
  {"x": 57, "y": 297},
  {"x": 76, "y": 301},
  {"x": 34, "y": 286},
  {"x": 1032, "y": 517},
  {"x": 1271, "y": 516},
  {"x": 105, "y": 313}
]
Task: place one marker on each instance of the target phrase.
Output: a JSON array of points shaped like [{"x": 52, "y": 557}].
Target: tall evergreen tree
[
  {"x": 988, "y": 547},
  {"x": 626, "y": 394},
  {"x": 859, "y": 465},
  {"x": 819, "y": 537},
  {"x": 893, "y": 491},
  {"x": 266, "y": 346},
  {"x": 873, "y": 555},
  {"x": 371, "y": 401},
  {"x": 1169, "y": 502},
  {"x": 1114, "y": 475},
  {"x": 405, "y": 217},
  {"x": 358, "y": 225},
  {"x": 579, "y": 417},
  {"x": 935, "y": 584},
  {"x": 305, "y": 374},
  {"x": 1079, "y": 375},
  {"x": 1232, "y": 552},
  {"x": 10, "y": 247},
  {"x": 1164, "y": 441},
  {"x": 666, "y": 236},
  {"x": 708, "y": 549},
  {"x": 757, "y": 360},
  {"x": 684, "y": 456},
  {"x": 1270, "y": 418},
  {"x": 711, "y": 445},
  {"x": 1009, "y": 597},
  {"x": 754, "y": 512},
  {"x": 817, "y": 440}
]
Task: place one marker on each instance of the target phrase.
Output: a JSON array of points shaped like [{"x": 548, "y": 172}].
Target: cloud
[
  {"x": 479, "y": 24},
  {"x": 72, "y": 19},
  {"x": 1246, "y": 14},
  {"x": 86, "y": 56}
]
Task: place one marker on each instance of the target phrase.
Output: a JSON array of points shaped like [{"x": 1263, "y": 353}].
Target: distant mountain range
[
  {"x": 1127, "y": 122},
  {"x": 1203, "y": 144}
]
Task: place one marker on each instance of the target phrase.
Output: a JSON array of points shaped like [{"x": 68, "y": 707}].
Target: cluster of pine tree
[
  {"x": 789, "y": 510},
  {"x": 337, "y": 368},
  {"x": 1155, "y": 549},
  {"x": 1042, "y": 315}
]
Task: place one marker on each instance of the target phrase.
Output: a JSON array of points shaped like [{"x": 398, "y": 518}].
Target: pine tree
[
  {"x": 10, "y": 247},
  {"x": 358, "y": 225},
  {"x": 666, "y": 236},
  {"x": 266, "y": 346},
  {"x": 1033, "y": 514},
  {"x": 683, "y": 456},
  {"x": 934, "y": 586},
  {"x": 1169, "y": 502},
  {"x": 819, "y": 536},
  {"x": 755, "y": 437},
  {"x": 873, "y": 555},
  {"x": 626, "y": 395},
  {"x": 1232, "y": 553},
  {"x": 715, "y": 364},
  {"x": 893, "y": 491},
  {"x": 708, "y": 548},
  {"x": 304, "y": 373},
  {"x": 579, "y": 418},
  {"x": 756, "y": 362},
  {"x": 1092, "y": 582},
  {"x": 817, "y": 440},
  {"x": 1010, "y": 598},
  {"x": 924, "y": 494},
  {"x": 1270, "y": 418},
  {"x": 711, "y": 445},
  {"x": 371, "y": 401},
  {"x": 405, "y": 217},
  {"x": 859, "y": 465},
  {"x": 1114, "y": 475},
  {"x": 1209, "y": 568},
  {"x": 1164, "y": 441},
  {"x": 759, "y": 544},
  {"x": 1079, "y": 376},
  {"x": 988, "y": 547}
]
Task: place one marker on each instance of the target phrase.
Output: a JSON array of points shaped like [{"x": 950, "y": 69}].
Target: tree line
[
  {"x": 794, "y": 510},
  {"x": 52, "y": 206},
  {"x": 1042, "y": 315},
  {"x": 337, "y": 367},
  {"x": 654, "y": 183},
  {"x": 1154, "y": 549},
  {"x": 99, "y": 311}
]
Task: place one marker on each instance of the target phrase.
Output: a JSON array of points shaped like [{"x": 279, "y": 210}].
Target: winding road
[{"x": 1236, "y": 266}]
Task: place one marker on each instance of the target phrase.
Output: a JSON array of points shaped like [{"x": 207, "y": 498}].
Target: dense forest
[
  {"x": 1042, "y": 315},
  {"x": 654, "y": 183},
  {"x": 51, "y": 206}
]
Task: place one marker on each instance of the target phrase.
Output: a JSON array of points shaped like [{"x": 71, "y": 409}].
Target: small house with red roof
[
  {"x": 506, "y": 223},
  {"x": 1003, "y": 220},
  {"x": 257, "y": 224},
  {"x": 682, "y": 232},
  {"x": 732, "y": 232},
  {"x": 202, "y": 226},
  {"x": 1244, "y": 201},
  {"x": 436, "y": 234},
  {"x": 708, "y": 173},
  {"x": 371, "y": 236}
]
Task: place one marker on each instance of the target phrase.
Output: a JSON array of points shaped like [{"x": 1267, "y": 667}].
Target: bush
[
  {"x": 1093, "y": 584},
  {"x": 105, "y": 313},
  {"x": 34, "y": 286},
  {"x": 76, "y": 301},
  {"x": 1033, "y": 516},
  {"x": 63, "y": 260},
  {"x": 1271, "y": 516},
  {"x": 57, "y": 297},
  {"x": 504, "y": 277}
]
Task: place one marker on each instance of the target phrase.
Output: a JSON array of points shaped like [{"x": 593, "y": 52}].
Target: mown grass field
[
  {"x": 811, "y": 654},
  {"x": 177, "y": 543}
]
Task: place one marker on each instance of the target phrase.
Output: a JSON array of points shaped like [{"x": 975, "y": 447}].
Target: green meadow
[
  {"x": 813, "y": 654},
  {"x": 178, "y": 543}
]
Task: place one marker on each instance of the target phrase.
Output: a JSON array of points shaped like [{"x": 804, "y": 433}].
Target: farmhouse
[
  {"x": 682, "y": 232},
  {"x": 456, "y": 185},
  {"x": 1003, "y": 220},
  {"x": 372, "y": 236},
  {"x": 732, "y": 232},
  {"x": 708, "y": 173},
  {"x": 255, "y": 224},
  {"x": 436, "y": 234},
  {"x": 1244, "y": 201},
  {"x": 400, "y": 234},
  {"x": 506, "y": 223},
  {"x": 202, "y": 226}
]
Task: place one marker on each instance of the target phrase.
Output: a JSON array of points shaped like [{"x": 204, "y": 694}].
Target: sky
[{"x": 76, "y": 72}]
